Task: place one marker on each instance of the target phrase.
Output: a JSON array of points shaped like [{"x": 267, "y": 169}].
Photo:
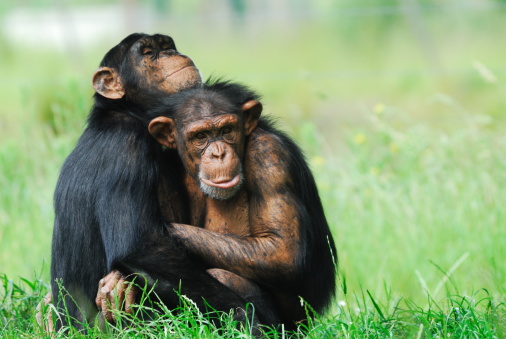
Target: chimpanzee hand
[
  {"x": 39, "y": 316},
  {"x": 114, "y": 292}
]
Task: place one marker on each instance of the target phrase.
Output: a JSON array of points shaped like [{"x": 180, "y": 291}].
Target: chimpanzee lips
[
  {"x": 179, "y": 70},
  {"x": 222, "y": 183}
]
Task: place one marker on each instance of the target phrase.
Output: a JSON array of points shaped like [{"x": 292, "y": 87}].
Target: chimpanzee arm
[
  {"x": 132, "y": 228},
  {"x": 125, "y": 184},
  {"x": 106, "y": 200},
  {"x": 259, "y": 257},
  {"x": 274, "y": 247},
  {"x": 98, "y": 191}
]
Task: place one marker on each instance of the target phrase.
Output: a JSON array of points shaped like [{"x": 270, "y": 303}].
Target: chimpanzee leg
[{"x": 250, "y": 292}]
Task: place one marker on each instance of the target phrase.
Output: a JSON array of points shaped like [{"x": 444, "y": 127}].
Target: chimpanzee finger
[
  {"x": 105, "y": 296},
  {"x": 118, "y": 297},
  {"x": 106, "y": 284},
  {"x": 39, "y": 316},
  {"x": 131, "y": 293},
  {"x": 105, "y": 306}
]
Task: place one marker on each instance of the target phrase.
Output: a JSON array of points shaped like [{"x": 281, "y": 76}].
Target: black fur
[
  {"x": 108, "y": 214},
  {"x": 318, "y": 257},
  {"x": 317, "y": 263}
]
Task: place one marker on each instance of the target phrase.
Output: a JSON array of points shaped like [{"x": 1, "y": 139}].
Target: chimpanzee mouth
[
  {"x": 181, "y": 69},
  {"x": 220, "y": 183},
  {"x": 222, "y": 190}
]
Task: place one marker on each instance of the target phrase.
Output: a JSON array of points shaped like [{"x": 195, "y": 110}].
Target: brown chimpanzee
[
  {"x": 118, "y": 186},
  {"x": 256, "y": 214}
]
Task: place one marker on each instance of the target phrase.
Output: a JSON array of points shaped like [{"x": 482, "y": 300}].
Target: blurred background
[{"x": 399, "y": 105}]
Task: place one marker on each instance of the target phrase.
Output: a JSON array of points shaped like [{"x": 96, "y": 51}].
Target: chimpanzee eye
[
  {"x": 227, "y": 130},
  {"x": 200, "y": 136},
  {"x": 147, "y": 51}
]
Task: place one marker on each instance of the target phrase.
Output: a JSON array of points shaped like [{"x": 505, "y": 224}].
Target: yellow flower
[
  {"x": 379, "y": 108},
  {"x": 394, "y": 148},
  {"x": 359, "y": 139},
  {"x": 318, "y": 161}
]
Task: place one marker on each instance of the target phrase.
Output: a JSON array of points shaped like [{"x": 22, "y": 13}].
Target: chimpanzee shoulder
[{"x": 318, "y": 267}]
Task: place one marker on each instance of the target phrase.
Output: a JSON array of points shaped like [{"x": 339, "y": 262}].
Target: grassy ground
[
  {"x": 404, "y": 132},
  {"x": 356, "y": 316}
]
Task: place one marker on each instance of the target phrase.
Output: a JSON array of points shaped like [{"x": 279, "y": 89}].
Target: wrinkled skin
[
  {"x": 268, "y": 238},
  {"x": 252, "y": 228},
  {"x": 113, "y": 287},
  {"x": 156, "y": 66}
]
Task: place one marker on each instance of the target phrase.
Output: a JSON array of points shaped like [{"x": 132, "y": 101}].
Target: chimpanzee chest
[{"x": 230, "y": 216}]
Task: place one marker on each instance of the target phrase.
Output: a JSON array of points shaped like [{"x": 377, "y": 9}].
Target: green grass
[
  {"x": 356, "y": 315},
  {"x": 409, "y": 160}
]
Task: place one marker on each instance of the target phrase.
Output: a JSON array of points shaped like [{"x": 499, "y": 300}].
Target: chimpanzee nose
[{"x": 218, "y": 151}]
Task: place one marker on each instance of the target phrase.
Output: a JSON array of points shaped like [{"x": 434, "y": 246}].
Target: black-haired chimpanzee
[
  {"x": 118, "y": 186},
  {"x": 256, "y": 214}
]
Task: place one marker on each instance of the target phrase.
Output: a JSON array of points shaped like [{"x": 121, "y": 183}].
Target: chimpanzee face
[
  {"x": 159, "y": 65},
  {"x": 209, "y": 133},
  {"x": 213, "y": 149},
  {"x": 147, "y": 67}
]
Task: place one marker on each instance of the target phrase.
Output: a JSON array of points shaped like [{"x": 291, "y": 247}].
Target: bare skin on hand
[
  {"x": 115, "y": 293},
  {"x": 39, "y": 316}
]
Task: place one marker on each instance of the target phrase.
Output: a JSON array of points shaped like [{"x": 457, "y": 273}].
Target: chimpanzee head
[
  {"x": 143, "y": 64},
  {"x": 209, "y": 130}
]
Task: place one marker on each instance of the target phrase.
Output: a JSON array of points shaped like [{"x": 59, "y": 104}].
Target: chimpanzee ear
[
  {"x": 106, "y": 82},
  {"x": 251, "y": 113},
  {"x": 163, "y": 130}
]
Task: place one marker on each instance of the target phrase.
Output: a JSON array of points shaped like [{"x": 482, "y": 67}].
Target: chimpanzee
[
  {"x": 118, "y": 186},
  {"x": 256, "y": 214}
]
